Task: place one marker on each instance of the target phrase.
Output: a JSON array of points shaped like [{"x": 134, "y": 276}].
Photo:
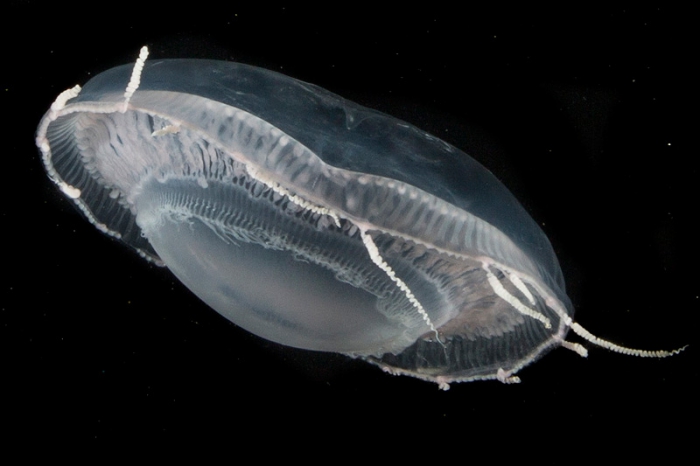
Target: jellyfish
[{"x": 312, "y": 221}]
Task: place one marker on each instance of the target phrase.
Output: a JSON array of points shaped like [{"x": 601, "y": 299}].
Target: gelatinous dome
[{"x": 310, "y": 220}]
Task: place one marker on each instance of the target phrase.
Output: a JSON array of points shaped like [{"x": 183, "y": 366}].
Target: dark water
[{"x": 580, "y": 114}]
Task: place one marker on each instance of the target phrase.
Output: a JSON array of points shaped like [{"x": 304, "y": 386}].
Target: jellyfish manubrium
[{"x": 312, "y": 221}]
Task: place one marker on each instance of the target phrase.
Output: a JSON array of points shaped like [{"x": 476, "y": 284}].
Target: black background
[{"x": 585, "y": 114}]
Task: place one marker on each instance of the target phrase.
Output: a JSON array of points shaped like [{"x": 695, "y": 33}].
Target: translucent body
[{"x": 310, "y": 220}]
